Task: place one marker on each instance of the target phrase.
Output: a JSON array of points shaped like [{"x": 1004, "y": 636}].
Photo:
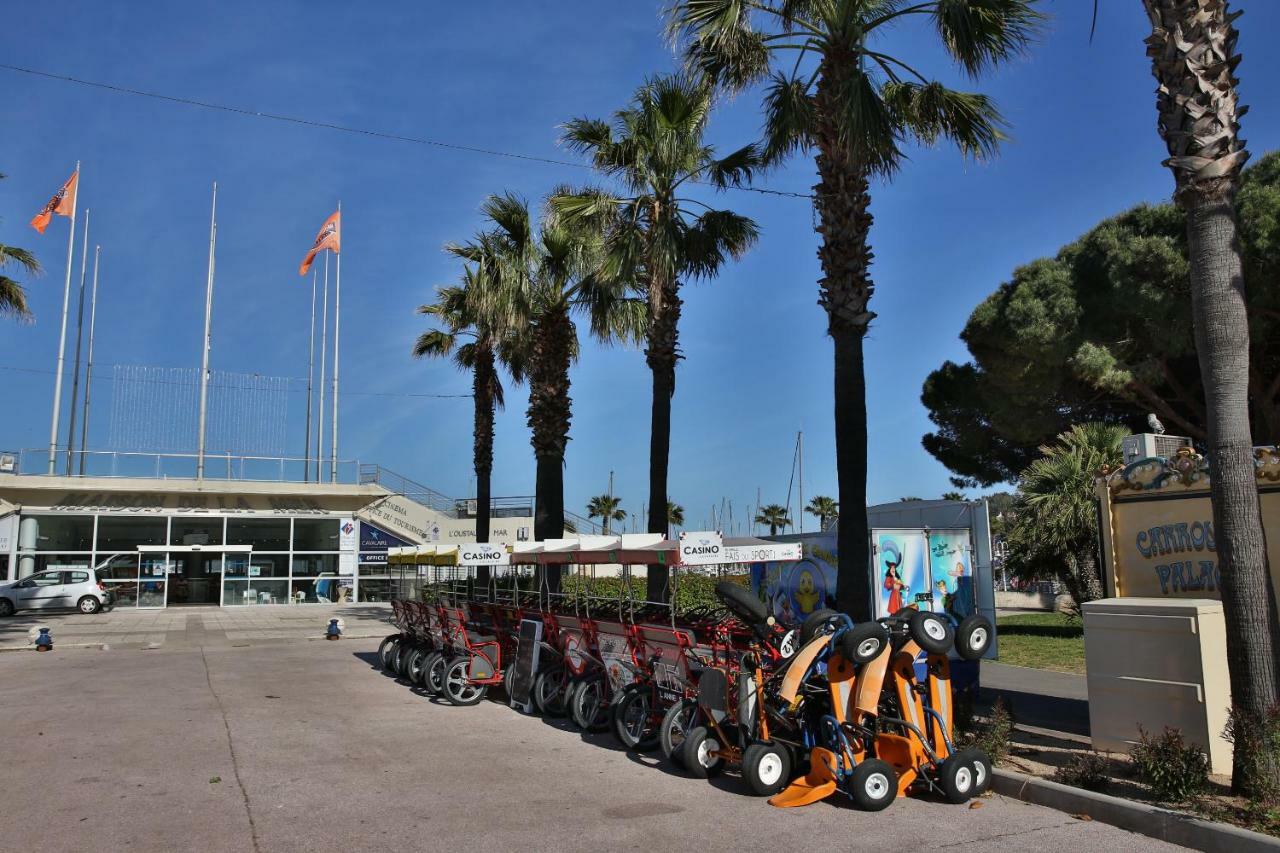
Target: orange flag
[
  {"x": 330, "y": 237},
  {"x": 62, "y": 203}
]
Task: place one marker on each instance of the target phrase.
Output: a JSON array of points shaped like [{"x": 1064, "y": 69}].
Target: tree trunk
[
  {"x": 484, "y": 379},
  {"x": 549, "y": 416},
  {"x": 843, "y": 204},
  {"x": 1192, "y": 50},
  {"x": 662, "y": 353}
]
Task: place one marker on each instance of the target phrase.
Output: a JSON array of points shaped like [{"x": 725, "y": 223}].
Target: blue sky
[{"x": 504, "y": 76}]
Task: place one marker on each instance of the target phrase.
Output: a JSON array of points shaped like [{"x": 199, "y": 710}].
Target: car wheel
[
  {"x": 89, "y": 604},
  {"x": 6, "y": 607}
]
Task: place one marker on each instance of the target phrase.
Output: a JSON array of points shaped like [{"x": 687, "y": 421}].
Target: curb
[{"x": 1145, "y": 819}]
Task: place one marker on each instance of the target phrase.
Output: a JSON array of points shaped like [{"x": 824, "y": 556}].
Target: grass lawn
[{"x": 1042, "y": 641}]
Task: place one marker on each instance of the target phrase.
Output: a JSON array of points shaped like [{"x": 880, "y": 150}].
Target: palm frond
[
  {"x": 434, "y": 344},
  {"x": 736, "y": 168},
  {"x": 982, "y": 33},
  {"x": 789, "y": 118},
  {"x": 13, "y": 300},
  {"x": 715, "y": 235},
  {"x": 932, "y": 110},
  {"x": 13, "y": 256}
]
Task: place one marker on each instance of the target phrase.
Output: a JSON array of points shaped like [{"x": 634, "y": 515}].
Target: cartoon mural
[
  {"x": 903, "y": 579},
  {"x": 951, "y": 569},
  {"x": 794, "y": 590}
]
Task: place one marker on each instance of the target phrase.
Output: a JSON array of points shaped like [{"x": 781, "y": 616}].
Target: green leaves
[
  {"x": 930, "y": 111},
  {"x": 981, "y": 33}
]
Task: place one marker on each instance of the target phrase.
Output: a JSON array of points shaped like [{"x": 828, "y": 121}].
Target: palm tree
[
  {"x": 546, "y": 273},
  {"x": 825, "y": 508},
  {"x": 675, "y": 516},
  {"x": 655, "y": 239},
  {"x": 13, "y": 298},
  {"x": 606, "y": 508},
  {"x": 839, "y": 95},
  {"x": 473, "y": 314},
  {"x": 1054, "y": 531},
  {"x": 774, "y": 515},
  {"x": 954, "y": 496},
  {"x": 1193, "y": 58}
]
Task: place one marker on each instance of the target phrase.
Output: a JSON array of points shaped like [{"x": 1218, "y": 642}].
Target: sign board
[
  {"x": 526, "y": 664},
  {"x": 767, "y": 552},
  {"x": 483, "y": 554},
  {"x": 8, "y": 533},
  {"x": 374, "y": 543},
  {"x": 346, "y": 564},
  {"x": 346, "y": 535},
  {"x": 701, "y": 548}
]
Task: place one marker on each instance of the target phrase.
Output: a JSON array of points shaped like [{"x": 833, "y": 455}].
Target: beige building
[{"x": 160, "y": 541}]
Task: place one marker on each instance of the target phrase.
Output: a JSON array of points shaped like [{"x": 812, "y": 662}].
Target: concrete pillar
[{"x": 28, "y": 537}]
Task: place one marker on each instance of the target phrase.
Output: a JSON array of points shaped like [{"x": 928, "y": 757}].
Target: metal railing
[
  {"x": 401, "y": 485},
  {"x": 178, "y": 466}
]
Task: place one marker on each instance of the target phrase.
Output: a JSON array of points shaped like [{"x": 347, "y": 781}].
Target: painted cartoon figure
[
  {"x": 807, "y": 596},
  {"x": 892, "y": 580}
]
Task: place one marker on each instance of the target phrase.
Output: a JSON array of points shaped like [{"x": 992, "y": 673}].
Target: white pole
[
  {"x": 324, "y": 345},
  {"x": 208, "y": 327},
  {"x": 311, "y": 372},
  {"x": 62, "y": 338},
  {"x": 75, "y": 368},
  {"x": 337, "y": 313},
  {"x": 88, "y": 368},
  {"x": 800, "y": 507}
]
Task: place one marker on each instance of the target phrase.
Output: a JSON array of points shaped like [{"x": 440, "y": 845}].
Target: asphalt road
[{"x": 306, "y": 746}]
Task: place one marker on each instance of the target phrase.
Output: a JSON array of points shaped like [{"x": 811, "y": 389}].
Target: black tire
[
  {"x": 588, "y": 705},
  {"x": 675, "y": 723},
  {"x": 509, "y": 679},
  {"x": 973, "y": 637},
  {"x": 456, "y": 688},
  {"x": 981, "y": 768},
  {"x": 931, "y": 632},
  {"x": 814, "y": 621},
  {"x": 433, "y": 670},
  {"x": 413, "y": 665},
  {"x": 743, "y": 602},
  {"x": 403, "y": 648},
  {"x": 549, "y": 692},
  {"x": 864, "y": 643},
  {"x": 632, "y": 723},
  {"x": 956, "y": 778},
  {"x": 6, "y": 607},
  {"x": 386, "y": 649},
  {"x": 695, "y": 753},
  {"x": 88, "y": 605},
  {"x": 872, "y": 785},
  {"x": 766, "y": 768}
]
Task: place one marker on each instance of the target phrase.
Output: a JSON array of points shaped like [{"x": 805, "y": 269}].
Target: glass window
[
  {"x": 4, "y": 567},
  {"x": 64, "y": 532},
  {"x": 264, "y": 534},
  {"x": 311, "y": 565},
  {"x": 235, "y": 592},
  {"x": 236, "y": 565},
  {"x": 45, "y": 579},
  {"x": 200, "y": 530},
  {"x": 269, "y": 591},
  {"x": 315, "y": 534},
  {"x": 151, "y": 593},
  {"x": 119, "y": 567},
  {"x": 375, "y": 590},
  {"x": 75, "y": 577},
  {"x": 326, "y": 589},
  {"x": 124, "y": 533},
  {"x": 123, "y": 593},
  {"x": 154, "y": 566},
  {"x": 380, "y": 569},
  {"x": 61, "y": 562},
  {"x": 269, "y": 566}
]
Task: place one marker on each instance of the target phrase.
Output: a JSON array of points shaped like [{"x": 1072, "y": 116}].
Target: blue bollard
[
  {"x": 44, "y": 642},
  {"x": 334, "y": 631}
]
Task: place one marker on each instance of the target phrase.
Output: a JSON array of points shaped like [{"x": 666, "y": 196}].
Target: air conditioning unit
[{"x": 1147, "y": 445}]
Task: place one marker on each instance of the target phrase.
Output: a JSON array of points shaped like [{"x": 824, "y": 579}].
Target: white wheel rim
[
  {"x": 979, "y": 773},
  {"x": 978, "y": 639},
  {"x": 876, "y": 786},
  {"x": 708, "y": 746},
  {"x": 935, "y": 629},
  {"x": 964, "y": 779},
  {"x": 868, "y": 648},
  {"x": 86, "y": 606},
  {"x": 770, "y": 768}
]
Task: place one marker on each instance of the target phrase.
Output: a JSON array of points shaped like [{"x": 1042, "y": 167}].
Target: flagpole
[
  {"x": 62, "y": 338},
  {"x": 88, "y": 368},
  {"x": 337, "y": 316},
  {"x": 324, "y": 345},
  {"x": 208, "y": 318},
  {"x": 75, "y": 369},
  {"x": 311, "y": 372}
]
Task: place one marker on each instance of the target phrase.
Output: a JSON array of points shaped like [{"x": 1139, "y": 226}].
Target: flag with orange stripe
[
  {"x": 63, "y": 203},
  {"x": 330, "y": 237}
]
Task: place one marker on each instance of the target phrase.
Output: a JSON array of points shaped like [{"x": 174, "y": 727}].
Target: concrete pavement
[
  {"x": 1038, "y": 697},
  {"x": 307, "y": 746}
]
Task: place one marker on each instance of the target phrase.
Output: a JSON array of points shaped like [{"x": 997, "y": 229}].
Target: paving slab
[{"x": 307, "y": 746}]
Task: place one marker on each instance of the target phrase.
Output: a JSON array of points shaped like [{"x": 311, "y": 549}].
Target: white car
[{"x": 78, "y": 588}]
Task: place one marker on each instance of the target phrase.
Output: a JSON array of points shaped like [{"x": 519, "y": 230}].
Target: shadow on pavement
[{"x": 1046, "y": 712}]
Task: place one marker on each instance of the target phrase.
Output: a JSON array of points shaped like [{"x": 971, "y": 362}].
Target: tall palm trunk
[
  {"x": 550, "y": 413},
  {"x": 484, "y": 381},
  {"x": 1192, "y": 48},
  {"x": 662, "y": 352},
  {"x": 843, "y": 206}
]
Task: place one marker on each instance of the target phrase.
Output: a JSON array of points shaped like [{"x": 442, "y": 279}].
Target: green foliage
[
  {"x": 1088, "y": 770},
  {"x": 607, "y": 508},
  {"x": 1054, "y": 530},
  {"x": 954, "y": 496},
  {"x": 1176, "y": 770},
  {"x": 1102, "y": 332},
  {"x": 994, "y": 735},
  {"x": 1256, "y": 741},
  {"x": 774, "y": 516},
  {"x": 13, "y": 297},
  {"x": 825, "y": 508}
]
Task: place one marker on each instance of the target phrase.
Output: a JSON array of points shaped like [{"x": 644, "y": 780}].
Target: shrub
[
  {"x": 1086, "y": 770},
  {"x": 993, "y": 735},
  {"x": 1176, "y": 770},
  {"x": 1256, "y": 742}
]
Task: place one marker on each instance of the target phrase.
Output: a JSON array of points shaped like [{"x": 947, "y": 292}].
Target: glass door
[
  {"x": 153, "y": 580},
  {"x": 235, "y": 579},
  {"x": 119, "y": 574}
]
